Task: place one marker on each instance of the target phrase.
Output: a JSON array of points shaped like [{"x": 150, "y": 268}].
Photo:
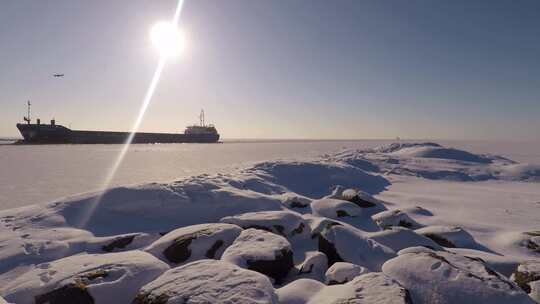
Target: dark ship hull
[{"x": 57, "y": 134}]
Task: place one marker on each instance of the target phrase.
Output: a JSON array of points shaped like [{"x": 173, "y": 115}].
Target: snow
[
  {"x": 342, "y": 272},
  {"x": 108, "y": 278},
  {"x": 334, "y": 208},
  {"x": 314, "y": 266},
  {"x": 297, "y": 222},
  {"x": 365, "y": 252},
  {"x": 285, "y": 223},
  {"x": 398, "y": 238},
  {"x": 208, "y": 281},
  {"x": 195, "y": 242},
  {"x": 255, "y": 245},
  {"x": 396, "y": 217},
  {"x": 299, "y": 291},
  {"x": 367, "y": 288},
  {"x": 449, "y": 236},
  {"x": 442, "y": 277}
]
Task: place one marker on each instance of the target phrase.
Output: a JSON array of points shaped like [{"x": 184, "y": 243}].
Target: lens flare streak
[{"x": 90, "y": 209}]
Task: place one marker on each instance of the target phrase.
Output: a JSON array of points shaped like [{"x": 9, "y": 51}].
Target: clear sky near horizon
[{"x": 280, "y": 69}]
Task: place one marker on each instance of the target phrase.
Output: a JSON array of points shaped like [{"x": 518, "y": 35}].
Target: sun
[{"x": 168, "y": 39}]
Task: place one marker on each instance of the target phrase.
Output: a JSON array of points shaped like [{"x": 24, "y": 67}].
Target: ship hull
[{"x": 56, "y": 134}]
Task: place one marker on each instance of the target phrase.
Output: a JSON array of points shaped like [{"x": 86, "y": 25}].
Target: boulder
[
  {"x": 296, "y": 202},
  {"x": 444, "y": 278},
  {"x": 343, "y": 243},
  {"x": 284, "y": 223},
  {"x": 391, "y": 218},
  {"x": 398, "y": 238},
  {"x": 125, "y": 242},
  {"x": 366, "y": 288},
  {"x": 318, "y": 224},
  {"x": 261, "y": 251},
  {"x": 449, "y": 236},
  {"x": 527, "y": 276},
  {"x": 187, "y": 244},
  {"x": 314, "y": 266},
  {"x": 344, "y": 211},
  {"x": 86, "y": 278},
  {"x": 335, "y": 208},
  {"x": 361, "y": 199},
  {"x": 208, "y": 281},
  {"x": 299, "y": 291},
  {"x": 342, "y": 272},
  {"x": 531, "y": 241}
]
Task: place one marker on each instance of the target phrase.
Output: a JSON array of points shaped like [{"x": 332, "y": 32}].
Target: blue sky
[{"x": 280, "y": 69}]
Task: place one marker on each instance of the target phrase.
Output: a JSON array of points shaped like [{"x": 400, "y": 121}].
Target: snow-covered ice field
[
  {"x": 276, "y": 222},
  {"x": 40, "y": 174}
]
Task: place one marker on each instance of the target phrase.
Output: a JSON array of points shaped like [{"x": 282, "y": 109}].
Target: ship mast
[
  {"x": 27, "y": 118},
  {"x": 201, "y": 118}
]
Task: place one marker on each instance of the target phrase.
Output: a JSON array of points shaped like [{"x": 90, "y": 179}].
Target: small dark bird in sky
[{"x": 58, "y": 75}]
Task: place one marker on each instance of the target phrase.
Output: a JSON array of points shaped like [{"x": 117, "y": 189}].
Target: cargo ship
[{"x": 38, "y": 133}]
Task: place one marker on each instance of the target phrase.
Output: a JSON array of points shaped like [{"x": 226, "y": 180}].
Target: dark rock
[
  {"x": 329, "y": 250},
  {"x": 527, "y": 277},
  {"x": 341, "y": 213},
  {"x": 276, "y": 269},
  {"x": 179, "y": 251},
  {"x": 120, "y": 243},
  {"x": 149, "y": 298},
  {"x": 211, "y": 253},
  {"x": 68, "y": 294},
  {"x": 440, "y": 240},
  {"x": 360, "y": 202}
]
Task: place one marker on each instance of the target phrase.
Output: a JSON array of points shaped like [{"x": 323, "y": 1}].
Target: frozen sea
[{"x": 40, "y": 174}]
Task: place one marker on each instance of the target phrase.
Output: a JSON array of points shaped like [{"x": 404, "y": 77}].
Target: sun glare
[{"x": 168, "y": 39}]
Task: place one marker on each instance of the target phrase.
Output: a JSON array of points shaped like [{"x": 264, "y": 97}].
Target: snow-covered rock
[
  {"x": 449, "y": 236},
  {"x": 368, "y": 203},
  {"x": 284, "y": 223},
  {"x": 398, "y": 238},
  {"x": 314, "y": 266},
  {"x": 203, "y": 241},
  {"x": 261, "y": 251},
  {"x": 343, "y": 272},
  {"x": 86, "y": 278},
  {"x": 527, "y": 276},
  {"x": 503, "y": 264},
  {"x": 299, "y": 291},
  {"x": 335, "y": 208},
  {"x": 296, "y": 202},
  {"x": 345, "y": 243},
  {"x": 530, "y": 240},
  {"x": 208, "y": 281},
  {"x": 366, "y": 288},
  {"x": 443, "y": 277},
  {"x": 123, "y": 242},
  {"x": 391, "y": 218}
]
